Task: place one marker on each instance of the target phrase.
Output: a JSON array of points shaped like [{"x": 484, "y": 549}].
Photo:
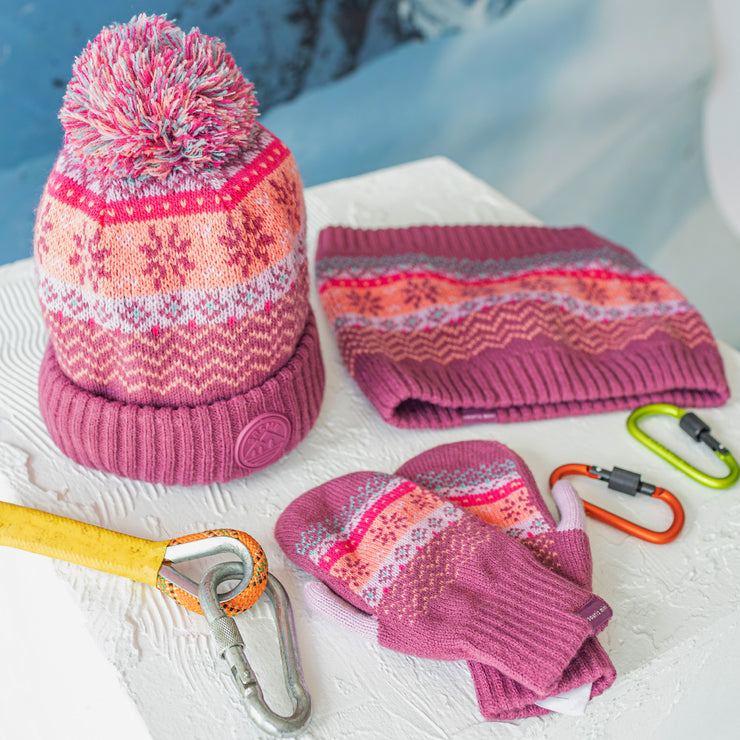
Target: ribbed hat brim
[{"x": 216, "y": 442}]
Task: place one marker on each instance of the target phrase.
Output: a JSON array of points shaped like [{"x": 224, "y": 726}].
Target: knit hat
[
  {"x": 439, "y": 582},
  {"x": 442, "y": 326},
  {"x": 490, "y": 480},
  {"x": 171, "y": 262}
]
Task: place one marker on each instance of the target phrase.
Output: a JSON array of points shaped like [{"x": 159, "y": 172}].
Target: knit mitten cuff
[{"x": 501, "y": 698}]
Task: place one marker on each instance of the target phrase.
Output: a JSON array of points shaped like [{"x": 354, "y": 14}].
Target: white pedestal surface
[{"x": 673, "y": 637}]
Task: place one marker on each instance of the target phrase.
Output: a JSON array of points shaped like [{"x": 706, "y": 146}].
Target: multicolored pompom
[{"x": 146, "y": 98}]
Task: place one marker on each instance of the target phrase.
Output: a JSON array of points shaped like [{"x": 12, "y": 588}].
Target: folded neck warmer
[{"x": 442, "y": 326}]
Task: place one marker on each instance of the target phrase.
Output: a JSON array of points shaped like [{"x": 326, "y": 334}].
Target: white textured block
[{"x": 674, "y": 605}]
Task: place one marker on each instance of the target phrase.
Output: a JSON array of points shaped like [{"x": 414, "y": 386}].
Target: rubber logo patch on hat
[{"x": 262, "y": 441}]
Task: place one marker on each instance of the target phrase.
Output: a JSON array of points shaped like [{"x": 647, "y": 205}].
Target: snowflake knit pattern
[
  {"x": 441, "y": 583},
  {"x": 388, "y": 522},
  {"x": 184, "y": 295},
  {"x": 171, "y": 263},
  {"x": 448, "y": 325},
  {"x": 498, "y": 494}
]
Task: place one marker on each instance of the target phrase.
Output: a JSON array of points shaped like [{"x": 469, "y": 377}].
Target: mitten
[
  {"x": 439, "y": 581},
  {"x": 491, "y": 481}
]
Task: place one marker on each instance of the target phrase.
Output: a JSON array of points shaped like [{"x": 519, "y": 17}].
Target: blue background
[{"x": 581, "y": 111}]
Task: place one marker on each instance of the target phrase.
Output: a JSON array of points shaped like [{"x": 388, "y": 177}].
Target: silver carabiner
[
  {"x": 231, "y": 649},
  {"x": 196, "y": 549}
]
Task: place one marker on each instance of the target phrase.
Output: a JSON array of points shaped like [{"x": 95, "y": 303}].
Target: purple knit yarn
[
  {"x": 441, "y": 582},
  {"x": 171, "y": 265},
  {"x": 442, "y": 326},
  {"x": 183, "y": 445},
  {"x": 467, "y": 473}
]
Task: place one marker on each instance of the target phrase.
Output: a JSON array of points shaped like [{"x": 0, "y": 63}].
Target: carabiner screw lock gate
[
  {"x": 625, "y": 481},
  {"x": 698, "y": 430}
]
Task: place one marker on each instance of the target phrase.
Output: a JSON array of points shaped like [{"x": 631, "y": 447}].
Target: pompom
[{"x": 146, "y": 98}]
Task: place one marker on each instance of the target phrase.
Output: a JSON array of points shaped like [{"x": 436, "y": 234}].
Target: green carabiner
[{"x": 697, "y": 430}]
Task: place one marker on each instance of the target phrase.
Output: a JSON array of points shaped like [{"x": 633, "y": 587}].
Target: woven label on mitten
[{"x": 597, "y": 613}]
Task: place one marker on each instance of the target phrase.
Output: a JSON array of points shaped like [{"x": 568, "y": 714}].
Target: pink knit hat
[
  {"x": 171, "y": 262},
  {"x": 448, "y": 325}
]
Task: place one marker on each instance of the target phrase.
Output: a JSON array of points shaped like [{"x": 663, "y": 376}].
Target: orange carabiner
[{"x": 626, "y": 481}]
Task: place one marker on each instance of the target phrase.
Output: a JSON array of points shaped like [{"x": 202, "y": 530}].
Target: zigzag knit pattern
[
  {"x": 442, "y": 326},
  {"x": 170, "y": 247},
  {"x": 179, "y": 291},
  {"x": 475, "y": 333}
]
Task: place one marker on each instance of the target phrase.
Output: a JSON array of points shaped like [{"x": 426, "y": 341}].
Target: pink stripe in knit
[
  {"x": 66, "y": 190},
  {"x": 356, "y": 535},
  {"x": 357, "y": 283},
  {"x": 495, "y": 494}
]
